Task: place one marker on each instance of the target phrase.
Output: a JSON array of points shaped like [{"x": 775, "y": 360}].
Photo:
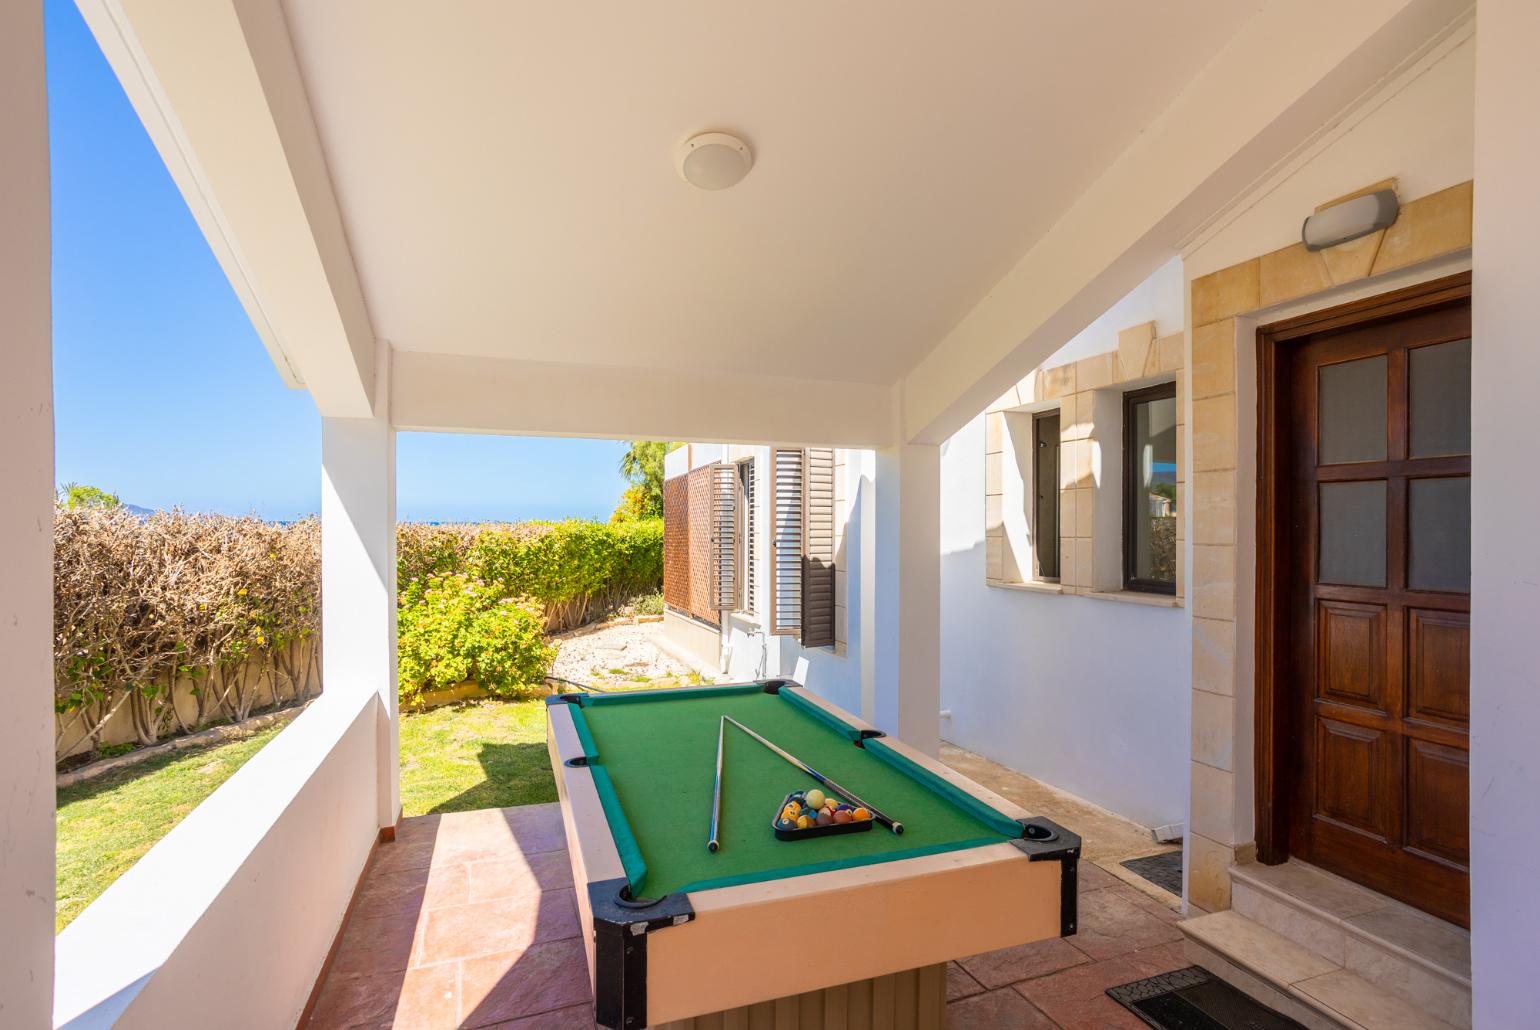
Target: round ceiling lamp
[{"x": 714, "y": 160}]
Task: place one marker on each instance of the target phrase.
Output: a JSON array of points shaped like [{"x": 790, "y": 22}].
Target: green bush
[
  {"x": 454, "y": 628},
  {"x": 575, "y": 571}
]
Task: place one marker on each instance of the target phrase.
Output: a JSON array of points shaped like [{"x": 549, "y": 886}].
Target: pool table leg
[{"x": 914, "y": 999}]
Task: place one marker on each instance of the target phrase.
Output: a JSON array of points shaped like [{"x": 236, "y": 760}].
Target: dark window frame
[
  {"x": 1131, "y": 492},
  {"x": 1041, "y": 575}
]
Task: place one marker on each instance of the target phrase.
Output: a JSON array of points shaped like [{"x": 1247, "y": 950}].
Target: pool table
[{"x": 855, "y": 927}]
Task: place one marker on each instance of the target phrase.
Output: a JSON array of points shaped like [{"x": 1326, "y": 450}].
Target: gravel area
[{"x": 624, "y": 654}]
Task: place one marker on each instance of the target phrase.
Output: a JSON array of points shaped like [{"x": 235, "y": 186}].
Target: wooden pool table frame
[{"x": 689, "y": 954}]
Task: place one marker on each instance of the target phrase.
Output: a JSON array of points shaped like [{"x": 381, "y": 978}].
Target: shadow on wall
[{"x": 1087, "y": 695}]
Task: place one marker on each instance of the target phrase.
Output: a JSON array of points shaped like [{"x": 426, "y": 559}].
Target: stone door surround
[{"x": 1429, "y": 228}]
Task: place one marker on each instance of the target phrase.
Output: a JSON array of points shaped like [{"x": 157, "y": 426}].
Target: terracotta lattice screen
[
  {"x": 688, "y": 582},
  {"x": 676, "y": 543}
]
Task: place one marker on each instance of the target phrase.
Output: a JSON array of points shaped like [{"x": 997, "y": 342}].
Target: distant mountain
[{"x": 134, "y": 509}]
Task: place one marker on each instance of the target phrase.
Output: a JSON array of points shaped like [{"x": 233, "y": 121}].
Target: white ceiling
[{"x": 505, "y": 171}]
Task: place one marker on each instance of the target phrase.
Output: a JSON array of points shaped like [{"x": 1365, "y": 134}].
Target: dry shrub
[{"x": 143, "y": 604}]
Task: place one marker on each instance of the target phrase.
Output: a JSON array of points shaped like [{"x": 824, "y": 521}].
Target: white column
[
  {"x": 907, "y": 580},
  {"x": 1505, "y": 498},
  {"x": 26, "y": 530},
  {"x": 358, "y": 573}
]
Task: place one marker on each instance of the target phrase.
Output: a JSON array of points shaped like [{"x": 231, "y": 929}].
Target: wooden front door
[{"x": 1376, "y": 604}]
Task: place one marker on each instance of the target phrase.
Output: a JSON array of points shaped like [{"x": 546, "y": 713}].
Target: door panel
[
  {"x": 1376, "y": 675},
  {"x": 1350, "y": 654}
]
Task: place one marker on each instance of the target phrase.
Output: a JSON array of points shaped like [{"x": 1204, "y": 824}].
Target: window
[
  {"x": 1045, "y": 495},
  {"x": 1149, "y": 490}
]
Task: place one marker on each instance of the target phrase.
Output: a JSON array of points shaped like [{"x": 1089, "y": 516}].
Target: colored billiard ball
[
  {"x": 804, "y": 822},
  {"x": 824, "y": 818},
  {"x": 842, "y": 816},
  {"x": 860, "y": 814},
  {"x": 814, "y": 798}
]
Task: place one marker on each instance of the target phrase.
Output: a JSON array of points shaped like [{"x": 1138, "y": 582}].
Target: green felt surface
[{"x": 659, "y": 753}]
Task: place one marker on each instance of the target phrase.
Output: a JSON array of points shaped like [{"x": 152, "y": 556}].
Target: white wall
[
  {"x": 750, "y": 651},
  {"x": 1417, "y": 129},
  {"x": 1158, "y": 299},
  {"x": 1086, "y": 694},
  {"x": 26, "y": 529},
  {"x": 228, "y": 918},
  {"x": 1505, "y": 495}
]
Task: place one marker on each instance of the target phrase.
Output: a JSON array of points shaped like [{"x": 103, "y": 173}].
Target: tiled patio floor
[{"x": 468, "y": 920}]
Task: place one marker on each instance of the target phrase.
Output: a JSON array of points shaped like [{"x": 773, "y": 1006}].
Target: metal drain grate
[{"x": 1192, "y": 999}]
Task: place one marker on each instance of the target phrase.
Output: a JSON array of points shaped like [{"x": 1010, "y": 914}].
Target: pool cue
[
  {"x": 896, "y": 827},
  {"x": 714, "y": 845}
]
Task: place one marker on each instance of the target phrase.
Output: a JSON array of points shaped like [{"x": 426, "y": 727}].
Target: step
[
  {"x": 1296, "y": 981},
  {"x": 1404, "y": 952}
]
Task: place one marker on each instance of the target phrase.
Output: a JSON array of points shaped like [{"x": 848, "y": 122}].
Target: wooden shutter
[
  {"x": 749, "y": 549},
  {"x": 676, "y": 543},
  {"x": 724, "y": 536},
  {"x": 818, "y": 551},
  {"x": 787, "y": 534}
]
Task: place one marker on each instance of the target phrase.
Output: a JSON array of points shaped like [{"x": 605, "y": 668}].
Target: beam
[
  {"x": 218, "y": 88},
  {"x": 26, "y": 530},
  {"x": 457, "y": 394},
  {"x": 1290, "y": 72}
]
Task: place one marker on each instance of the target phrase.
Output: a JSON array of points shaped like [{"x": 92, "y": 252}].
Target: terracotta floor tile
[
  {"x": 426, "y": 887},
  {"x": 378, "y": 942},
  {"x": 959, "y": 984},
  {"x": 1112, "y": 925},
  {"x": 1092, "y": 877},
  {"x": 1145, "y": 903},
  {"x": 540, "y": 979},
  {"x": 505, "y": 877},
  {"x": 506, "y": 924},
  {"x": 425, "y": 998},
  {"x": 579, "y": 1017},
  {"x": 994, "y": 1011},
  {"x": 1075, "y": 998},
  {"x": 1009, "y": 965}
]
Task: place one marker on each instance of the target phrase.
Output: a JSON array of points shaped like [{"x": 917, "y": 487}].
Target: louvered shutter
[
  {"x": 787, "y": 533},
  {"x": 818, "y": 551},
  {"x": 724, "y": 536},
  {"x": 750, "y": 549}
]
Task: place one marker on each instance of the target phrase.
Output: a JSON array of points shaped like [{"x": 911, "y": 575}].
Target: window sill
[
  {"x": 1137, "y": 597},
  {"x": 1031, "y": 588}
]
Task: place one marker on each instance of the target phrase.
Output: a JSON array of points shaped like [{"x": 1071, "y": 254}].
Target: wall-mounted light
[{"x": 1350, "y": 219}]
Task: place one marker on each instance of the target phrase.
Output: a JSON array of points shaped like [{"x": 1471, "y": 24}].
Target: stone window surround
[
  {"x": 1430, "y": 238},
  {"x": 1088, "y": 394}
]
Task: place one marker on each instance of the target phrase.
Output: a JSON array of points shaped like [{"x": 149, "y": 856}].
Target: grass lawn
[
  {"x": 106, "y": 824},
  {"x": 475, "y": 754}
]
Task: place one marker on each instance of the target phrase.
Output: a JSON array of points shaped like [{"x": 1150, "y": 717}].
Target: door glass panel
[
  {"x": 1440, "y": 399},
  {"x": 1352, "y": 411},
  {"x": 1440, "y": 534},
  {"x": 1353, "y": 533}
]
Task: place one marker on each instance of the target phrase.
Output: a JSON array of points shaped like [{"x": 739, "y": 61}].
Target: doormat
[
  {"x": 1192, "y": 999},
  {"x": 1163, "y": 870}
]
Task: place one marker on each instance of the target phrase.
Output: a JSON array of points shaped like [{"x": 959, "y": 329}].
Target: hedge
[{"x": 151, "y": 610}]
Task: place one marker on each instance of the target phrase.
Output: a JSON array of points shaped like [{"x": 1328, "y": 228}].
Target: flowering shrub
[{"x": 453, "y": 628}]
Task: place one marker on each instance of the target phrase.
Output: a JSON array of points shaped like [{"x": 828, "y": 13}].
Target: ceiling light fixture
[{"x": 714, "y": 160}]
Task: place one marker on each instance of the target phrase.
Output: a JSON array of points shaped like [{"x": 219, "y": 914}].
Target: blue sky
[{"x": 163, "y": 393}]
